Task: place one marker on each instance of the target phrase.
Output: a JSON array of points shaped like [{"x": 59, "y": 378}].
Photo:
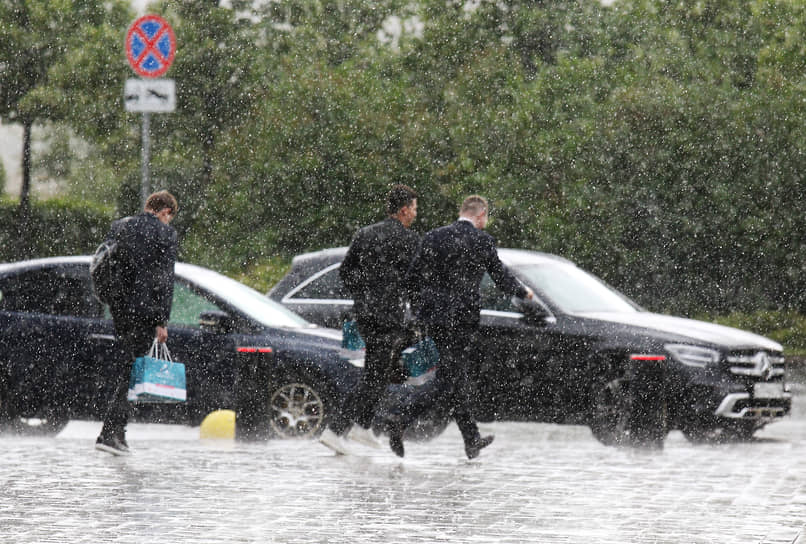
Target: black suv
[{"x": 577, "y": 353}]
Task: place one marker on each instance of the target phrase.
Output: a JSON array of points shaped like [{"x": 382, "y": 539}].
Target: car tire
[
  {"x": 610, "y": 411},
  {"x": 620, "y": 417},
  {"x": 52, "y": 421},
  {"x": 428, "y": 426},
  {"x": 298, "y": 408}
]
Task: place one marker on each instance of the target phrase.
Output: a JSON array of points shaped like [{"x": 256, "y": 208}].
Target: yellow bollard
[{"x": 218, "y": 424}]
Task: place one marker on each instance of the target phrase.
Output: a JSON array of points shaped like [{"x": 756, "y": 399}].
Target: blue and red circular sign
[{"x": 150, "y": 46}]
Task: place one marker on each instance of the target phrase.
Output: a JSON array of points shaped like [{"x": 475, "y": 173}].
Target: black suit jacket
[
  {"x": 446, "y": 274},
  {"x": 146, "y": 256},
  {"x": 374, "y": 272}
]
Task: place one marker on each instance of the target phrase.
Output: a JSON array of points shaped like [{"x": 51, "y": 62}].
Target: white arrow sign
[{"x": 152, "y": 95}]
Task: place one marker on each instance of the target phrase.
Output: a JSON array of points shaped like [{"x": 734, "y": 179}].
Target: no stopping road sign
[{"x": 150, "y": 46}]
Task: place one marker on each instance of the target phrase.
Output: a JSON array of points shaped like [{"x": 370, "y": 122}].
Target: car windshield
[
  {"x": 573, "y": 290},
  {"x": 257, "y": 306}
]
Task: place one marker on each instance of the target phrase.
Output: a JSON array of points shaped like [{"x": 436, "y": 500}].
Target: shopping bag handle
[{"x": 159, "y": 350}]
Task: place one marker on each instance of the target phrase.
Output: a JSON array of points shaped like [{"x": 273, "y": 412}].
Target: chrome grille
[{"x": 760, "y": 364}]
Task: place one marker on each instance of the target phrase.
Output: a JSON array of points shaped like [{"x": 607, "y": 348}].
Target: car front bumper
[{"x": 745, "y": 406}]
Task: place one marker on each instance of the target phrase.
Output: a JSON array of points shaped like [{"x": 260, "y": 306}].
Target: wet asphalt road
[{"x": 536, "y": 483}]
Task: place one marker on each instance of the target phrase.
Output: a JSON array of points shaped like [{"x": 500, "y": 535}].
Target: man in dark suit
[
  {"x": 373, "y": 271},
  {"x": 446, "y": 275},
  {"x": 145, "y": 257}
]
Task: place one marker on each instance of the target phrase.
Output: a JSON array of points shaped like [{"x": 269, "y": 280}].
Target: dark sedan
[
  {"x": 581, "y": 351},
  {"x": 56, "y": 337}
]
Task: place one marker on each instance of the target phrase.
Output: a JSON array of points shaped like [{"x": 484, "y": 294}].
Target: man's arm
[
  {"x": 413, "y": 280},
  {"x": 349, "y": 271},
  {"x": 502, "y": 277},
  {"x": 164, "y": 280}
]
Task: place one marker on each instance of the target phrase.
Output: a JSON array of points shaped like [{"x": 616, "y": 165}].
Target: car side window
[
  {"x": 493, "y": 298},
  {"x": 323, "y": 285},
  {"x": 51, "y": 291},
  {"x": 188, "y": 305}
]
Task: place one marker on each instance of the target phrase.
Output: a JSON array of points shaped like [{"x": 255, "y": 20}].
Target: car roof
[
  {"x": 512, "y": 257},
  {"x": 44, "y": 262},
  {"x": 516, "y": 257},
  {"x": 183, "y": 269},
  {"x": 330, "y": 255}
]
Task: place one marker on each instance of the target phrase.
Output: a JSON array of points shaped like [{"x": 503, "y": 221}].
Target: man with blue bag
[{"x": 142, "y": 254}]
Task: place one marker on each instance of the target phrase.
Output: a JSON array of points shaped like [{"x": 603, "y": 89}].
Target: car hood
[{"x": 698, "y": 331}]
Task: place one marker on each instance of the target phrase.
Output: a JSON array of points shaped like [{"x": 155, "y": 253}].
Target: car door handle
[{"x": 107, "y": 337}]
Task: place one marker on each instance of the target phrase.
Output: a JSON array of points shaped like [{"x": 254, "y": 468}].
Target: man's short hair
[
  {"x": 160, "y": 200},
  {"x": 399, "y": 195},
  {"x": 474, "y": 205}
]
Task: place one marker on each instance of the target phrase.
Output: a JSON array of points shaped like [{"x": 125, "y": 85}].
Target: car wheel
[
  {"x": 610, "y": 411},
  {"x": 629, "y": 413},
  {"x": 428, "y": 426},
  {"x": 298, "y": 409},
  {"x": 52, "y": 421}
]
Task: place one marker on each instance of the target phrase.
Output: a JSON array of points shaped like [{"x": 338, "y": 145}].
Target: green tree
[{"x": 34, "y": 37}]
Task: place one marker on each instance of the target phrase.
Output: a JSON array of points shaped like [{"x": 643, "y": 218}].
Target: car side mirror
[
  {"x": 534, "y": 310},
  {"x": 215, "y": 321}
]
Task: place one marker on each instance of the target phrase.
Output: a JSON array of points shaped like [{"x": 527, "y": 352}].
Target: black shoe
[
  {"x": 112, "y": 445},
  {"x": 472, "y": 450},
  {"x": 396, "y": 441}
]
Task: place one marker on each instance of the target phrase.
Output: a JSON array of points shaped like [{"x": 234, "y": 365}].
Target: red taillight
[
  {"x": 249, "y": 349},
  {"x": 642, "y": 357}
]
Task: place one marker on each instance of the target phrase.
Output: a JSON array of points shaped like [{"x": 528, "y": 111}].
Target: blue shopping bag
[
  {"x": 350, "y": 337},
  {"x": 421, "y": 357},
  {"x": 157, "y": 378}
]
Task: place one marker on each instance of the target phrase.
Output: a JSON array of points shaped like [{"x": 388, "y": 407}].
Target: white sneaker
[
  {"x": 364, "y": 436},
  {"x": 334, "y": 442}
]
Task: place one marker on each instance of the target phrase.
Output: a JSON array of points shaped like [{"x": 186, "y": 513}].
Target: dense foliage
[
  {"x": 655, "y": 143},
  {"x": 57, "y": 227}
]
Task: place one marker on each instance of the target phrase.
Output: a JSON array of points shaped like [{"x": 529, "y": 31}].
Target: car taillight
[
  {"x": 646, "y": 357},
  {"x": 250, "y": 349}
]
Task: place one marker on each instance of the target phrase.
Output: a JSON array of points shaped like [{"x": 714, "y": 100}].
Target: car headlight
[{"x": 693, "y": 355}]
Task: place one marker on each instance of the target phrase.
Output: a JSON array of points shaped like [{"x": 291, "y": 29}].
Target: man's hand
[
  {"x": 529, "y": 294},
  {"x": 162, "y": 334}
]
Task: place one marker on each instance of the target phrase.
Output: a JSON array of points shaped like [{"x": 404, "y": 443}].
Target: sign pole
[{"x": 145, "y": 188}]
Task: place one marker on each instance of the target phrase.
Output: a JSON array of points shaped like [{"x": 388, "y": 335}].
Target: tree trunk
[
  {"x": 25, "y": 191},
  {"x": 24, "y": 219}
]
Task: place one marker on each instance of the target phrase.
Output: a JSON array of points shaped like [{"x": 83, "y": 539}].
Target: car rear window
[
  {"x": 324, "y": 285},
  {"x": 52, "y": 291}
]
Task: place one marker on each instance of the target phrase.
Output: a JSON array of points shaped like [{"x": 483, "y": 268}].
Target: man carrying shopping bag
[{"x": 144, "y": 258}]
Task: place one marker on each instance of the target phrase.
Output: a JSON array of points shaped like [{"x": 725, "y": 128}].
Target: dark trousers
[
  {"x": 452, "y": 388},
  {"x": 132, "y": 340},
  {"x": 381, "y": 367}
]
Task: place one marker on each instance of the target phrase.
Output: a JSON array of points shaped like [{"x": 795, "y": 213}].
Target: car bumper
[{"x": 745, "y": 407}]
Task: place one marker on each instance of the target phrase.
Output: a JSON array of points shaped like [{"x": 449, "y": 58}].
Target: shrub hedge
[{"x": 52, "y": 227}]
